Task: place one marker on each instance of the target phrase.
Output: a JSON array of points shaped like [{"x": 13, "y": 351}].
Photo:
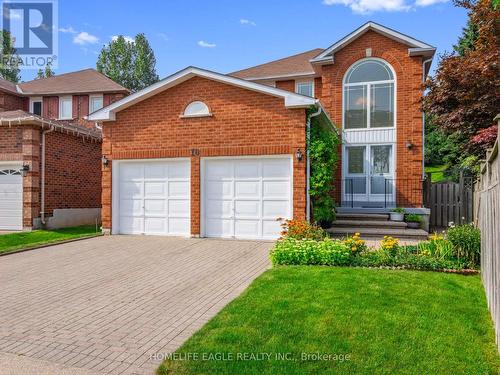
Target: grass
[
  {"x": 17, "y": 241},
  {"x": 388, "y": 322},
  {"x": 437, "y": 173}
]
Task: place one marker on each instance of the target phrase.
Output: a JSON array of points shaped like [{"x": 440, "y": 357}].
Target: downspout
[
  {"x": 42, "y": 177},
  {"x": 424, "y": 63},
  {"x": 308, "y": 163}
]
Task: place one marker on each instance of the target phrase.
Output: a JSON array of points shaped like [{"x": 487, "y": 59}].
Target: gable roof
[
  {"x": 415, "y": 46},
  {"x": 291, "y": 66},
  {"x": 79, "y": 82},
  {"x": 8, "y": 86},
  {"x": 291, "y": 99}
]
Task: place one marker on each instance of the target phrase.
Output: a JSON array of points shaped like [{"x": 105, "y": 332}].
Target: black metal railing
[{"x": 381, "y": 192}]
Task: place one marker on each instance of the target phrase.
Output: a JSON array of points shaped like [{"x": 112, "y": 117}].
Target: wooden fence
[
  {"x": 487, "y": 217},
  {"x": 449, "y": 202}
]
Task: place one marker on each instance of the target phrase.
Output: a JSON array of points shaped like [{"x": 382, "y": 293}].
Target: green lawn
[
  {"x": 15, "y": 241},
  {"x": 437, "y": 172},
  {"x": 388, "y": 322}
]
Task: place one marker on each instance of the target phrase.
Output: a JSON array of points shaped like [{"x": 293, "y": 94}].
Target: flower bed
[{"x": 305, "y": 244}]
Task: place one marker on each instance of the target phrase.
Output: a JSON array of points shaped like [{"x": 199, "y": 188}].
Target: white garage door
[
  {"x": 11, "y": 198},
  {"x": 154, "y": 197},
  {"x": 244, "y": 197}
]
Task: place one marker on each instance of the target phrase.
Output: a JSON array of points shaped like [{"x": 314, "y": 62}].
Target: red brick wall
[
  {"x": 11, "y": 143},
  {"x": 111, "y": 98},
  {"x": 72, "y": 172},
  {"x": 243, "y": 123},
  {"x": 408, "y": 112},
  {"x": 288, "y": 85},
  {"x": 10, "y": 102}
]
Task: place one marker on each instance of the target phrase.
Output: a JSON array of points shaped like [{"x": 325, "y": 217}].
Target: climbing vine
[{"x": 323, "y": 145}]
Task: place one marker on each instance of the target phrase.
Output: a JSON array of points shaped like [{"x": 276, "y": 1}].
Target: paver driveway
[{"x": 111, "y": 303}]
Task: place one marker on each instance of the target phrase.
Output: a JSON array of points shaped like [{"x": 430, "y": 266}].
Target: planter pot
[
  {"x": 396, "y": 216},
  {"x": 413, "y": 225}
]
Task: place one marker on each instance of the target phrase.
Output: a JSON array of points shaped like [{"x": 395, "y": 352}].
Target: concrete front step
[
  {"x": 369, "y": 223},
  {"x": 358, "y": 216},
  {"x": 367, "y": 232}
]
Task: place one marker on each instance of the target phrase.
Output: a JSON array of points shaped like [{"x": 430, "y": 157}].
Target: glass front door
[{"x": 368, "y": 176}]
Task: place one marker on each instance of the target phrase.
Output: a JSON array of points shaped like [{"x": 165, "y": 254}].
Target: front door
[{"x": 368, "y": 176}]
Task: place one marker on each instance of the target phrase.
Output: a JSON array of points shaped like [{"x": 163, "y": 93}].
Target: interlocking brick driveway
[{"x": 107, "y": 304}]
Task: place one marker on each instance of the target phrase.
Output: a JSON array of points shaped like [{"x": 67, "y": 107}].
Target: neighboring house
[
  {"x": 205, "y": 154},
  {"x": 50, "y": 156}
]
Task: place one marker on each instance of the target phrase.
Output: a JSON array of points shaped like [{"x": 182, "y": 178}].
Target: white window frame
[
  {"x": 368, "y": 86},
  {"x": 36, "y": 99},
  {"x": 98, "y": 96},
  {"x": 186, "y": 114},
  {"x": 301, "y": 81},
  {"x": 61, "y": 99}
]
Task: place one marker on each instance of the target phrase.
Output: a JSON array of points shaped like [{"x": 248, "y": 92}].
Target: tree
[
  {"x": 46, "y": 72},
  {"x": 131, "y": 64},
  {"x": 462, "y": 96},
  {"x": 9, "y": 66}
]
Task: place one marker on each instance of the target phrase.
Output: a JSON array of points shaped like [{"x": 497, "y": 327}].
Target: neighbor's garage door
[
  {"x": 154, "y": 197},
  {"x": 242, "y": 198},
  {"x": 11, "y": 198}
]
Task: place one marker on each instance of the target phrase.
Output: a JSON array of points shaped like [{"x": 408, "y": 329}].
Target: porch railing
[{"x": 381, "y": 192}]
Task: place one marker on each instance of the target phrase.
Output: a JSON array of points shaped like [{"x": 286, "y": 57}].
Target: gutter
[{"x": 42, "y": 177}]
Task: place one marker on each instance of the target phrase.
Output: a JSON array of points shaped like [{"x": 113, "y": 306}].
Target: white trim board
[{"x": 292, "y": 100}]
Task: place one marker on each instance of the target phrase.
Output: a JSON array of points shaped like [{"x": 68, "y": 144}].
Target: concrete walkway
[{"x": 107, "y": 305}]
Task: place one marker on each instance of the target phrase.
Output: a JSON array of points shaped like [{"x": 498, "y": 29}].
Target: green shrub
[
  {"x": 399, "y": 210},
  {"x": 302, "y": 230},
  {"x": 413, "y": 218},
  {"x": 466, "y": 240},
  {"x": 437, "y": 247},
  {"x": 309, "y": 252}
]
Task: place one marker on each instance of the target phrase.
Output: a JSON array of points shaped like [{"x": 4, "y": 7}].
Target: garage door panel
[
  {"x": 271, "y": 228},
  {"x": 155, "y": 189},
  {"x": 178, "y": 188},
  {"x": 249, "y": 209},
  {"x": 246, "y": 169},
  {"x": 246, "y": 228},
  {"x": 219, "y": 189},
  {"x": 178, "y": 208},
  {"x": 219, "y": 227},
  {"x": 273, "y": 168},
  {"x": 247, "y": 189},
  {"x": 130, "y": 189},
  {"x": 219, "y": 208},
  {"x": 217, "y": 170},
  {"x": 276, "y": 209},
  {"x": 10, "y": 203},
  {"x": 276, "y": 189},
  {"x": 154, "y": 197}
]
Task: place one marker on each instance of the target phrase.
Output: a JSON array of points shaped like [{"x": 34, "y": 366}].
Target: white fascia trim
[
  {"x": 292, "y": 100},
  {"x": 414, "y": 43},
  {"x": 421, "y": 51}
]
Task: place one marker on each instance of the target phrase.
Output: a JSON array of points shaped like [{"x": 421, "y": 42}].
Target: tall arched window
[{"x": 369, "y": 95}]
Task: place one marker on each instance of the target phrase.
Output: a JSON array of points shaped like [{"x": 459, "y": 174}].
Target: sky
[{"x": 228, "y": 35}]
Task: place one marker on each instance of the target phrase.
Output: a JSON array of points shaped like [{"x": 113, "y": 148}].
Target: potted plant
[
  {"x": 397, "y": 214},
  {"x": 413, "y": 221}
]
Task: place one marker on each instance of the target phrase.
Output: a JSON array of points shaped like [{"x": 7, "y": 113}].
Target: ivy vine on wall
[{"x": 323, "y": 147}]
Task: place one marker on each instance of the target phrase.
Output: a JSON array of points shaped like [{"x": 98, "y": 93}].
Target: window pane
[
  {"x": 380, "y": 185},
  {"x": 66, "y": 108},
  {"x": 356, "y": 159},
  {"x": 382, "y": 105},
  {"x": 381, "y": 159},
  {"x": 355, "y": 185},
  {"x": 355, "y": 107},
  {"x": 369, "y": 71},
  {"x": 305, "y": 88},
  {"x": 37, "y": 108},
  {"x": 96, "y": 104}
]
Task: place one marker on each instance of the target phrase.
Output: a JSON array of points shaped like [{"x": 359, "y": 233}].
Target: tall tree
[
  {"x": 462, "y": 97},
  {"x": 9, "y": 63},
  {"x": 130, "y": 63}
]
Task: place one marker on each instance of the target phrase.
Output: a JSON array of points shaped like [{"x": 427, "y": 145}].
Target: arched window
[
  {"x": 196, "y": 109},
  {"x": 369, "y": 95}
]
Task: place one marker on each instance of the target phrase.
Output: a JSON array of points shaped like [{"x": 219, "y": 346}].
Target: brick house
[
  {"x": 50, "y": 156},
  {"x": 206, "y": 154}
]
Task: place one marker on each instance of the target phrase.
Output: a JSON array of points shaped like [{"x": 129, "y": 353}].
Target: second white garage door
[
  {"x": 11, "y": 198},
  {"x": 153, "y": 197},
  {"x": 242, "y": 198}
]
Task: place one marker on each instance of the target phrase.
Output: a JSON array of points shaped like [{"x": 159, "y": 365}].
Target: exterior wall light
[
  {"x": 299, "y": 155},
  {"x": 409, "y": 145},
  {"x": 25, "y": 169},
  {"x": 105, "y": 161}
]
